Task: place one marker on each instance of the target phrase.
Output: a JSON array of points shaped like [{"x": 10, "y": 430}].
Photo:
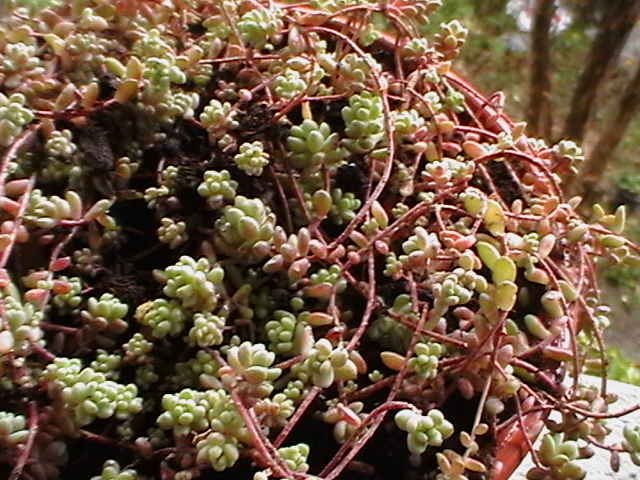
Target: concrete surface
[
  {"x": 597, "y": 467},
  {"x": 623, "y": 331}
]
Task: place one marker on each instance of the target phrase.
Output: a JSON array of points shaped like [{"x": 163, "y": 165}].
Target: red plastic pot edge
[{"x": 512, "y": 447}]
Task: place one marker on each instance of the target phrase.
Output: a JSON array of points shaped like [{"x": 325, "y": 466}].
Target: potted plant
[{"x": 248, "y": 239}]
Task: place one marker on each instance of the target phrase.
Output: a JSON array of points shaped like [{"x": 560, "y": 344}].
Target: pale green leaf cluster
[
  {"x": 213, "y": 410},
  {"x": 425, "y": 361},
  {"x": 326, "y": 279},
  {"x": 87, "y": 394},
  {"x": 137, "y": 349},
  {"x": 172, "y": 233},
  {"x": 569, "y": 150},
  {"x": 207, "y": 329},
  {"x": 296, "y": 456},
  {"x": 559, "y": 456},
  {"x": 289, "y": 84},
  {"x": 252, "y": 158},
  {"x": 111, "y": 470},
  {"x": 631, "y": 442},
  {"x": 260, "y": 25},
  {"x": 48, "y": 211},
  {"x": 23, "y": 322},
  {"x": 424, "y": 431},
  {"x": 193, "y": 283},
  {"x": 245, "y": 229},
  {"x": 107, "y": 363},
  {"x": 314, "y": 145},
  {"x": 19, "y": 61},
  {"x": 252, "y": 363},
  {"x": 218, "y": 450},
  {"x": 60, "y": 144},
  {"x": 184, "y": 412},
  {"x": 448, "y": 169},
  {"x": 70, "y": 300},
  {"x": 217, "y": 115},
  {"x": 344, "y": 206},
  {"x": 406, "y": 122},
  {"x": 419, "y": 247},
  {"x": 450, "y": 39},
  {"x": 165, "y": 317},
  {"x": 364, "y": 119},
  {"x": 356, "y": 70},
  {"x": 326, "y": 364},
  {"x": 13, "y": 429},
  {"x": 217, "y": 186},
  {"x": 284, "y": 333},
  {"x": 201, "y": 370},
  {"x": 106, "y": 313}
]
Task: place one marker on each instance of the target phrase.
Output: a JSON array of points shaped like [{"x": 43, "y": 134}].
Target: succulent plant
[
  {"x": 13, "y": 429},
  {"x": 219, "y": 450},
  {"x": 313, "y": 145},
  {"x": 424, "y": 430},
  {"x": 250, "y": 363},
  {"x": 252, "y": 158},
  {"x": 183, "y": 180},
  {"x": 246, "y": 229},
  {"x": 365, "y": 122},
  {"x": 559, "y": 455},
  {"x": 296, "y": 456},
  {"x": 258, "y": 26},
  {"x": 13, "y": 117},
  {"x": 217, "y": 187},
  {"x": 111, "y": 470},
  {"x": 184, "y": 411},
  {"x": 137, "y": 348},
  {"x": 326, "y": 364},
  {"x": 289, "y": 84},
  {"x": 425, "y": 363},
  {"x": 631, "y": 443},
  {"x": 172, "y": 233},
  {"x": 106, "y": 313},
  {"x": 87, "y": 395},
  {"x": 207, "y": 329},
  {"x": 165, "y": 317},
  {"x": 193, "y": 283}
]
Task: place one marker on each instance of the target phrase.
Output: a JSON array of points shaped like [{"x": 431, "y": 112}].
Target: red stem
[
  {"x": 389, "y": 130},
  {"x": 12, "y": 152},
  {"x": 310, "y": 397},
  {"x": 26, "y": 451},
  {"x": 265, "y": 450},
  {"x": 586, "y": 413},
  {"x": 371, "y": 302},
  {"x": 368, "y": 390},
  {"x": 24, "y": 203},
  {"x": 375, "y": 418},
  {"x": 532, "y": 450}
]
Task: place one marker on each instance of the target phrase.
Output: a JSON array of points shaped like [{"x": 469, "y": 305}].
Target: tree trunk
[
  {"x": 540, "y": 96},
  {"x": 619, "y": 19},
  {"x": 613, "y": 133}
]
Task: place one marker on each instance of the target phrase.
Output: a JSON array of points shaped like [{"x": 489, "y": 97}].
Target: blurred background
[{"x": 571, "y": 69}]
